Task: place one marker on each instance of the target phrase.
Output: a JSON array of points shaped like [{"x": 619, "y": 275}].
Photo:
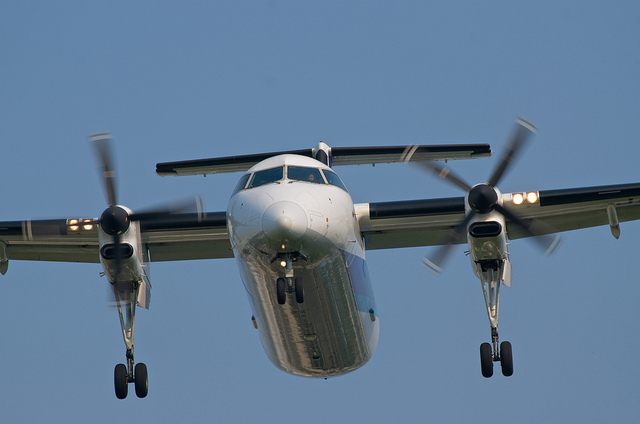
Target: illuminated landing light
[
  {"x": 518, "y": 199},
  {"x": 78, "y": 224},
  {"x": 283, "y": 264},
  {"x": 532, "y": 197}
]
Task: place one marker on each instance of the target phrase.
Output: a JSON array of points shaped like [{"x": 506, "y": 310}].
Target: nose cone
[{"x": 284, "y": 221}]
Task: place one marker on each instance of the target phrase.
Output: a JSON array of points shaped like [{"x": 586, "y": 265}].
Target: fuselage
[{"x": 291, "y": 217}]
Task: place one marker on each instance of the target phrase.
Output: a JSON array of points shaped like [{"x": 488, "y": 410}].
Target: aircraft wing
[
  {"x": 170, "y": 238},
  {"x": 339, "y": 156},
  {"x": 387, "y": 225},
  {"x": 384, "y": 225}
]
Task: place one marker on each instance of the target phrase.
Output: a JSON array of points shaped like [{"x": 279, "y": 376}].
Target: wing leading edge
[{"x": 387, "y": 225}]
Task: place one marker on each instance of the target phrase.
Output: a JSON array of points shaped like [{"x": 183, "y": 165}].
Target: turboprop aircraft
[{"x": 300, "y": 241}]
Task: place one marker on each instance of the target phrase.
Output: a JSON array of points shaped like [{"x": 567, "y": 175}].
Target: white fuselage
[{"x": 335, "y": 329}]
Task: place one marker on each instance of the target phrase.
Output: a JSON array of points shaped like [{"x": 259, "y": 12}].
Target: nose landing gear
[{"x": 289, "y": 284}]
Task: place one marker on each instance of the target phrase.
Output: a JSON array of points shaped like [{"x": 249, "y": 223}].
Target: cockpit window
[
  {"x": 303, "y": 173},
  {"x": 333, "y": 179},
  {"x": 294, "y": 173},
  {"x": 241, "y": 183},
  {"x": 267, "y": 176}
]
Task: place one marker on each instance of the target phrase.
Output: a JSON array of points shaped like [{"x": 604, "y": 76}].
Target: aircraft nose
[{"x": 284, "y": 221}]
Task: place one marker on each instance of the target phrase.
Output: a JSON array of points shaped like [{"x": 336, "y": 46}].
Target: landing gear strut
[
  {"x": 125, "y": 374},
  {"x": 496, "y": 351}
]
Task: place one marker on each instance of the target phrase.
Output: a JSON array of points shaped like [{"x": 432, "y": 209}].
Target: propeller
[
  {"x": 116, "y": 220},
  {"x": 483, "y": 198}
]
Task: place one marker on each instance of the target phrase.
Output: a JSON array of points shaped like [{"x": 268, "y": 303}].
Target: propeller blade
[
  {"x": 523, "y": 130},
  {"x": 445, "y": 174},
  {"x": 102, "y": 143},
  {"x": 193, "y": 205},
  {"x": 435, "y": 264},
  {"x": 547, "y": 242}
]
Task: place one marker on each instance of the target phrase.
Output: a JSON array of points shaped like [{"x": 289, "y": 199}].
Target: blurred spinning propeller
[
  {"x": 115, "y": 220},
  {"x": 483, "y": 199}
]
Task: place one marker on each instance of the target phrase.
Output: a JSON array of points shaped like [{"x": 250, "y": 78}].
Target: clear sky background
[{"x": 197, "y": 79}]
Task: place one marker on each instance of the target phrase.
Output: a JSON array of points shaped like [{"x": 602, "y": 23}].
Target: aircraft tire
[
  {"x": 141, "y": 380},
  {"x": 486, "y": 360},
  {"x": 120, "y": 381},
  {"x": 506, "y": 359},
  {"x": 299, "y": 290},
  {"x": 281, "y": 291}
]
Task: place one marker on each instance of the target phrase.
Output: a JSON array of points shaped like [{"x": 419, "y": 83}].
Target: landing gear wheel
[
  {"x": 506, "y": 359},
  {"x": 141, "y": 380},
  {"x": 486, "y": 360},
  {"x": 120, "y": 381},
  {"x": 299, "y": 288},
  {"x": 281, "y": 291}
]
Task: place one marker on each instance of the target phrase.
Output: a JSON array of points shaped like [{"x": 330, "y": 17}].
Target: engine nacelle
[
  {"x": 124, "y": 260},
  {"x": 487, "y": 241}
]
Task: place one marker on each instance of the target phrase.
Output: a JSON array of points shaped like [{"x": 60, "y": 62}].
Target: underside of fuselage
[{"x": 333, "y": 331}]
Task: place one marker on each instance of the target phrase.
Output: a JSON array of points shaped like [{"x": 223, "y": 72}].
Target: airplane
[{"x": 299, "y": 241}]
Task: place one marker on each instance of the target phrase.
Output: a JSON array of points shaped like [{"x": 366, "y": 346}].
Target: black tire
[
  {"x": 486, "y": 360},
  {"x": 120, "y": 381},
  {"x": 281, "y": 291},
  {"x": 506, "y": 359},
  {"x": 299, "y": 290},
  {"x": 141, "y": 380}
]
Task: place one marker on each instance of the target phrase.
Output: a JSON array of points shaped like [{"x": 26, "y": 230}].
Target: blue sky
[{"x": 188, "y": 80}]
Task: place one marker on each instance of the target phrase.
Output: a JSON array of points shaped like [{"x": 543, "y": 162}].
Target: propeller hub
[
  {"x": 114, "y": 220},
  {"x": 482, "y": 198}
]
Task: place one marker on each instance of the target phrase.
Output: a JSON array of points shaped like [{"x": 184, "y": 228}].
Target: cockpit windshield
[
  {"x": 267, "y": 176},
  {"x": 294, "y": 173},
  {"x": 241, "y": 183},
  {"x": 303, "y": 173},
  {"x": 333, "y": 179}
]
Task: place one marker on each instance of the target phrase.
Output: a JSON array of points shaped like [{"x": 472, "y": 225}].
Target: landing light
[
  {"x": 530, "y": 197},
  {"x": 283, "y": 264},
  {"x": 78, "y": 224}
]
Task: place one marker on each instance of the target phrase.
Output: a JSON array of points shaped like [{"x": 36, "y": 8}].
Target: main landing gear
[
  {"x": 496, "y": 351},
  {"x": 125, "y": 374},
  {"x": 289, "y": 284},
  {"x": 488, "y": 357}
]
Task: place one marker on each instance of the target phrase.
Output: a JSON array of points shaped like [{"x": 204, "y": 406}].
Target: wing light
[
  {"x": 530, "y": 197},
  {"x": 78, "y": 224}
]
